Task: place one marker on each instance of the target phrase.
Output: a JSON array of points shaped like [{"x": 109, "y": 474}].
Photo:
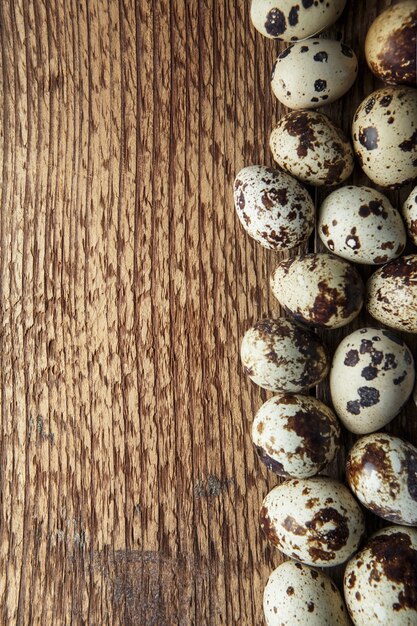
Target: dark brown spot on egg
[
  {"x": 385, "y": 101},
  {"x": 330, "y": 244},
  {"x": 320, "y": 84},
  {"x": 369, "y": 372},
  {"x": 368, "y": 106},
  {"x": 328, "y": 531},
  {"x": 408, "y": 145},
  {"x": 368, "y": 137},
  {"x": 369, "y": 396},
  {"x": 275, "y": 24},
  {"x": 321, "y": 57},
  {"x": 396, "y": 558},
  {"x": 313, "y": 428},
  {"x": 267, "y": 526},
  {"x": 310, "y": 607},
  {"x": 307, "y": 3},
  {"x": 271, "y": 463},
  {"x": 403, "y": 268},
  {"x": 304, "y": 49},
  {"x": 351, "y": 580},
  {"x": 298, "y": 124},
  {"x": 290, "y": 591},
  {"x": 292, "y": 526},
  {"x": 351, "y": 358},
  {"x": 293, "y": 16},
  {"x": 374, "y": 207},
  {"x": 325, "y": 230},
  {"x": 286, "y": 52},
  {"x": 410, "y": 467}
]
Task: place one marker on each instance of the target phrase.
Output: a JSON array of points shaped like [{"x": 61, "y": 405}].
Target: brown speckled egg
[
  {"x": 382, "y": 472},
  {"x": 279, "y": 355},
  {"x": 385, "y": 136},
  {"x": 312, "y": 148},
  {"x": 310, "y": 74},
  {"x": 316, "y": 521},
  {"x": 391, "y": 294},
  {"x": 296, "y": 595},
  {"x": 273, "y": 207},
  {"x": 390, "y": 45},
  {"x": 289, "y": 20},
  {"x": 296, "y": 435},
  {"x": 318, "y": 289},
  {"x": 410, "y": 215},
  {"x": 360, "y": 225},
  {"x": 380, "y": 582},
  {"x": 371, "y": 378}
]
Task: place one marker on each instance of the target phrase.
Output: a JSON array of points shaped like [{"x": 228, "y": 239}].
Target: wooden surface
[{"x": 129, "y": 487}]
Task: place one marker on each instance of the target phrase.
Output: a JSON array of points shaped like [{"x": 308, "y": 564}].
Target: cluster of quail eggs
[{"x": 314, "y": 520}]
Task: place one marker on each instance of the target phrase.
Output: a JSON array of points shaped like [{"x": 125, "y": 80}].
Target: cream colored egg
[
  {"x": 312, "y": 148},
  {"x": 296, "y": 435},
  {"x": 360, "y": 225},
  {"x": 381, "y": 471},
  {"x": 371, "y": 378},
  {"x": 391, "y": 294},
  {"x": 273, "y": 207},
  {"x": 390, "y": 45},
  {"x": 380, "y": 582},
  {"x": 318, "y": 289},
  {"x": 385, "y": 136},
  {"x": 296, "y": 595},
  {"x": 316, "y": 521},
  {"x": 410, "y": 215},
  {"x": 289, "y": 20},
  {"x": 279, "y": 355},
  {"x": 310, "y": 74}
]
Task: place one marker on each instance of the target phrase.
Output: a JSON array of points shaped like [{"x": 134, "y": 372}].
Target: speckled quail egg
[
  {"x": 391, "y": 294},
  {"x": 380, "y": 582},
  {"x": 390, "y": 45},
  {"x": 318, "y": 289},
  {"x": 296, "y": 435},
  {"x": 313, "y": 73},
  {"x": 410, "y": 215},
  {"x": 385, "y": 136},
  {"x": 296, "y": 595},
  {"x": 371, "y": 378},
  {"x": 360, "y": 225},
  {"x": 279, "y": 355},
  {"x": 289, "y": 20},
  {"x": 382, "y": 472},
  {"x": 273, "y": 207},
  {"x": 312, "y": 148},
  {"x": 316, "y": 520}
]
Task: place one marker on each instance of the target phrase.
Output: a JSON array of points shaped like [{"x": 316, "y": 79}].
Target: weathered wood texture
[{"x": 129, "y": 487}]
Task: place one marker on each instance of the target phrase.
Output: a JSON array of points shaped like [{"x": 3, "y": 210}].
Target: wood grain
[{"x": 129, "y": 487}]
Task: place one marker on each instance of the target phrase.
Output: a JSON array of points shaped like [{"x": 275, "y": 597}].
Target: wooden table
[{"x": 129, "y": 487}]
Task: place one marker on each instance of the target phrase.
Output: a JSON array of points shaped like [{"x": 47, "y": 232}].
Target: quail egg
[
  {"x": 390, "y": 45},
  {"x": 312, "y": 148},
  {"x": 360, "y": 225},
  {"x": 296, "y": 435},
  {"x": 318, "y": 289},
  {"x": 380, "y": 581},
  {"x": 316, "y": 521},
  {"x": 385, "y": 136},
  {"x": 391, "y": 294},
  {"x": 289, "y": 20},
  {"x": 279, "y": 355},
  {"x": 273, "y": 207},
  {"x": 296, "y": 595},
  {"x": 313, "y": 73},
  {"x": 410, "y": 215},
  {"x": 382, "y": 472},
  {"x": 371, "y": 378}
]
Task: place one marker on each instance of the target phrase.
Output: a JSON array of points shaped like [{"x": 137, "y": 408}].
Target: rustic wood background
[{"x": 129, "y": 487}]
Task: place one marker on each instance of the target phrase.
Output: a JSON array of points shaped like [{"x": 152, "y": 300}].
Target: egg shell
[
  {"x": 316, "y": 521},
  {"x": 318, "y": 289},
  {"x": 380, "y": 582},
  {"x": 273, "y": 207},
  {"x": 381, "y": 470},
  {"x": 391, "y": 294},
  {"x": 359, "y": 224},
  {"x": 279, "y": 355},
  {"x": 371, "y": 378},
  {"x": 288, "y": 20},
  {"x": 313, "y": 73},
  {"x": 390, "y": 45},
  {"x": 384, "y": 134},
  {"x": 312, "y": 148},
  {"x": 296, "y": 595},
  {"x": 409, "y": 211},
  {"x": 296, "y": 435}
]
